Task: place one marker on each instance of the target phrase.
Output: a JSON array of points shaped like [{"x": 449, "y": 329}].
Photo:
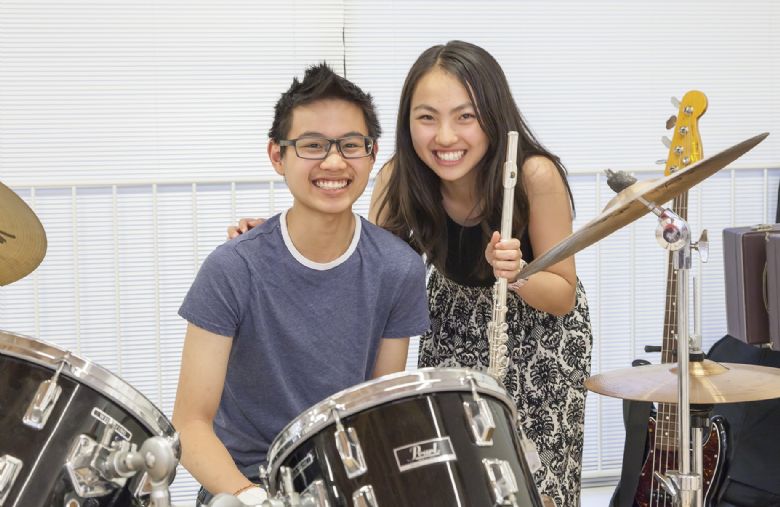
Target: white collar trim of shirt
[{"x": 319, "y": 266}]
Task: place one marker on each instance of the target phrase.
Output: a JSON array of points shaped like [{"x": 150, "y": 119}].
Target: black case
[
  {"x": 773, "y": 288},
  {"x": 749, "y": 282}
]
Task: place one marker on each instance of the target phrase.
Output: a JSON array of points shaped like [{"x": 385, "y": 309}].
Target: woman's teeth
[
  {"x": 450, "y": 155},
  {"x": 331, "y": 184}
]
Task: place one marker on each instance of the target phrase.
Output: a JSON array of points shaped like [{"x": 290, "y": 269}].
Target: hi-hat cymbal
[
  {"x": 22, "y": 238},
  {"x": 710, "y": 382},
  {"x": 627, "y": 206}
]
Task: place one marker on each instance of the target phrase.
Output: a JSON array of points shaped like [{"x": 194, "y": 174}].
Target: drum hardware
[
  {"x": 479, "y": 416},
  {"x": 683, "y": 485},
  {"x": 626, "y": 207},
  {"x": 44, "y": 400},
  {"x": 156, "y": 458},
  {"x": 364, "y": 497},
  {"x": 502, "y": 481},
  {"x": 695, "y": 384},
  {"x": 348, "y": 445},
  {"x": 262, "y": 473},
  {"x": 9, "y": 471},
  {"x": 497, "y": 327},
  {"x": 22, "y": 238},
  {"x": 316, "y": 495},
  {"x": 529, "y": 449},
  {"x": 287, "y": 490},
  {"x": 633, "y": 200},
  {"x": 88, "y": 462}
]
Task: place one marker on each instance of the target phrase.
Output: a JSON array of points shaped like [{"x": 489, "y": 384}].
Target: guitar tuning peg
[
  {"x": 660, "y": 162},
  {"x": 676, "y": 102},
  {"x": 667, "y": 142},
  {"x": 671, "y": 122}
]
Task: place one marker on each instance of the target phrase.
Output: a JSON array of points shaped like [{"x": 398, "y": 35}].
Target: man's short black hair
[{"x": 319, "y": 83}]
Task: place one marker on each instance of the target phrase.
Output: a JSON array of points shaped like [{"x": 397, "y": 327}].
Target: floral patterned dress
[{"x": 549, "y": 362}]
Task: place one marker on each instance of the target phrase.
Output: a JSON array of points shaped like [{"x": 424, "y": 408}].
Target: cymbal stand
[
  {"x": 683, "y": 485},
  {"x": 700, "y": 414}
]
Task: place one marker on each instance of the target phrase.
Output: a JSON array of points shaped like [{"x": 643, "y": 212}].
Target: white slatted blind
[
  {"x": 162, "y": 90},
  {"x": 593, "y": 78},
  {"x": 137, "y": 131}
]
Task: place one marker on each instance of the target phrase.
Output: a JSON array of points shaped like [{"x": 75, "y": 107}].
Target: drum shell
[
  {"x": 90, "y": 396},
  {"x": 385, "y": 428}
]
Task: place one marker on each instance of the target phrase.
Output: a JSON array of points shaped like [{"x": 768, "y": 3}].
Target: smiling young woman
[{"x": 442, "y": 193}]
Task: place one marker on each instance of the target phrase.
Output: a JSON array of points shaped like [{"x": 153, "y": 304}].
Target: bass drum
[
  {"x": 60, "y": 415},
  {"x": 433, "y": 437}
]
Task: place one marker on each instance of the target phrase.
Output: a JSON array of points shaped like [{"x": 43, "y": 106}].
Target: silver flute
[{"x": 497, "y": 328}]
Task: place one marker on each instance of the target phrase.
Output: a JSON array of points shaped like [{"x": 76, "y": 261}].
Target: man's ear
[
  {"x": 375, "y": 150},
  {"x": 275, "y": 155}
]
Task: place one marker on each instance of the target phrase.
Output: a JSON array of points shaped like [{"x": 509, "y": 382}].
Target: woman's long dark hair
[{"x": 411, "y": 206}]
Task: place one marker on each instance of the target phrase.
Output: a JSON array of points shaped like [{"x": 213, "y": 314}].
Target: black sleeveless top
[{"x": 465, "y": 250}]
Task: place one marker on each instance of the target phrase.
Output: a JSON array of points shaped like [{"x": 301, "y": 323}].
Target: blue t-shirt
[{"x": 302, "y": 331}]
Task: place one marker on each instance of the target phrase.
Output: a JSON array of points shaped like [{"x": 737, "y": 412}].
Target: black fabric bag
[
  {"x": 753, "y": 464},
  {"x": 636, "y": 415}
]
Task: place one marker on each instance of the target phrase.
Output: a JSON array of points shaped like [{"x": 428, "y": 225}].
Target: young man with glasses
[{"x": 311, "y": 302}]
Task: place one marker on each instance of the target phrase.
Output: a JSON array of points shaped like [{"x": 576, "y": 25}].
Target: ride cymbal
[
  {"x": 710, "y": 383},
  {"x": 22, "y": 238},
  {"x": 628, "y": 205}
]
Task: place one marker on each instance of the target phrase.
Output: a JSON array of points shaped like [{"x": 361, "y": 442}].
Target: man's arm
[
  {"x": 203, "y": 367},
  {"x": 391, "y": 356}
]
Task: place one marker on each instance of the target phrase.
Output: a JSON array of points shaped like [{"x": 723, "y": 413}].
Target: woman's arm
[
  {"x": 378, "y": 194},
  {"x": 549, "y": 222}
]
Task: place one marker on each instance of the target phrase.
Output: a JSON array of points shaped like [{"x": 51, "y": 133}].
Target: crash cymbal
[
  {"x": 22, "y": 238},
  {"x": 627, "y": 206},
  {"x": 710, "y": 382}
]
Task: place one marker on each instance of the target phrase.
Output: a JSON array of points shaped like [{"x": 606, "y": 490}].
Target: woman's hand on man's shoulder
[{"x": 243, "y": 226}]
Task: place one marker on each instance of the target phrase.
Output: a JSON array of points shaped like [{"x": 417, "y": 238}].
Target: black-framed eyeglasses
[{"x": 317, "y": 148}]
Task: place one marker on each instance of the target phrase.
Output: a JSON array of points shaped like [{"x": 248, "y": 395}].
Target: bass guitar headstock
[{"x": 685, "y": 146}]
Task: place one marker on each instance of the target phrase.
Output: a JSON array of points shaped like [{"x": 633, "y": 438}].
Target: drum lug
[
  {"x": 480, "y": 418},
  {"x": 530, "y": 452},
  {"x": 364, "y": 497},
  {"x": 350, "y": 451},
  {"x": 43, "y": 402},
  {"x": 502, "y": 481},
  {"x": 9, "y": 470},
  {"x": 316, "y": 495},
  {"x": 286, "y": 486}
]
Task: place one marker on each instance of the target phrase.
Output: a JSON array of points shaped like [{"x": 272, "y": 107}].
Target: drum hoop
[
  {"x": 377, "y": 392},
  {"x": 90, "y": 374}
]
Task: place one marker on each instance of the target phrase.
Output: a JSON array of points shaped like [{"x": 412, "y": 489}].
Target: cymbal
[
  {"x": 627, "y": 206},
  {"x": 22, "y": 238},
  {"x": 710, "y": 382}
]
